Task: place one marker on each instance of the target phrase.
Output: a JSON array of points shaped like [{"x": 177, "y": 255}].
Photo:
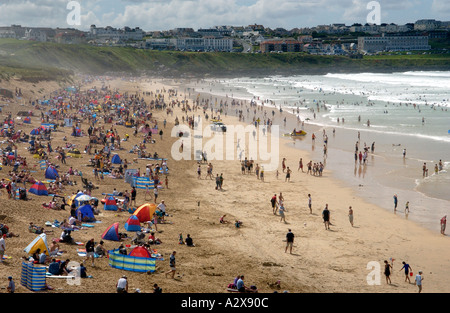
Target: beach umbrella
[{"x": 83, "y": 198}]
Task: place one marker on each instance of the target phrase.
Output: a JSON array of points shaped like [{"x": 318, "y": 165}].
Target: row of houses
[
  {"x": 71, "y": 35},
  {"x": 59, "y": 35},
  {"x": 313, "y": 47},
  {"x": 365, "y": 44},
  {"x": 190, "y": 44}
]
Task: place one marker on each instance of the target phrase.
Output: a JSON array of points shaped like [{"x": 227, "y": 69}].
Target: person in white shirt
[
  {"x": 419, "y": 280},
  {"x": 162, "y": 208},
  {"x": 2, "y": 247},
  {"x": 122, "y": 285}
]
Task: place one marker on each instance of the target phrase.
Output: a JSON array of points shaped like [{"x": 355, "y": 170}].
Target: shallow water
[{"x": 405, "y": 111}]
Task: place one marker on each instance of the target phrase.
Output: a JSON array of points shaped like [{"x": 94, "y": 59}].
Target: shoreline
[{"x": 361, "y": 182}]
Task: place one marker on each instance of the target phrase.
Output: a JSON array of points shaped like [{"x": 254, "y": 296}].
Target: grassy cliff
[{"x": 35, "y": 60}]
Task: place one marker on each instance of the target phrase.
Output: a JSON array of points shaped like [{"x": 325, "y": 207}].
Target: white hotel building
[{"x": 393, "y": 43}]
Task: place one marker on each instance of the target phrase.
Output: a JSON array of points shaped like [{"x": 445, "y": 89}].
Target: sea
[{"x": 397, "y": 113}]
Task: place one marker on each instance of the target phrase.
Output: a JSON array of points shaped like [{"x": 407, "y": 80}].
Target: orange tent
[{"x": 145, "y": 212}]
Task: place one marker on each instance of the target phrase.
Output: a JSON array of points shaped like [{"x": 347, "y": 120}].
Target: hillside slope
[{"x": 45, "y": 60}]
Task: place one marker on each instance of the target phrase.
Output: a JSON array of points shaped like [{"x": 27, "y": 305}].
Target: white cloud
[
  {"x": 169, "y": 14},
  {"x": 441, "y": 8}
]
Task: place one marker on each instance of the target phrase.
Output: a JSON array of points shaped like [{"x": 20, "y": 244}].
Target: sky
[{"x": 151, "y": 15}]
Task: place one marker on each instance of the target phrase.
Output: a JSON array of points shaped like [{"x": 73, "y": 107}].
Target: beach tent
[
  {"x": 74, "y": 153},
  {"x": 112, "y": 232},
  {"x": 27, "y": 120},
  {"x": 39, "y": 189},
  {"x": 133, "y": 223},
  {"x": 86, "y": 211},
  {"x": 140, "y": 252},
  {"x": 116, "y": 159},
  {"x": 40, "y": 242},
  {"x": 110, "y": 204},
  {"x": 35, "y": 131},
  {"x": 51, "y": 172},
  {"x": 145, "y": 212},
  {"x": 133, "y": 263}
]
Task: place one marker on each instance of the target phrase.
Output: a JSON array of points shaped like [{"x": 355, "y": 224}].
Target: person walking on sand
[
  {"x": 155, "y": 193},
  {"x": 300, "y": 165},
  {"x": 419, "y": 280},
  {"x": 326, "y": 217},
  {"x": 387, "y": 271},
  {"x": 90, "y": 249},
  {"x": 172, "y": 265},
  {"x": 309, "y": 203},
  {"x": 274, "y": 203},
  {"x": 395, "y": 202},
  {"x": 443, "y": 224},
  {"x": 288, "y": 174},
  {"x": 289, "y": 241},
  {"x": 133, "y": 196},
  {"x": 281, "y": 211},
  {"x": 199, "y": 172},
  {"x": 407, "y": 269},
  {"x": 407, "y": 207},
  {"x": 350, "y": 215}
]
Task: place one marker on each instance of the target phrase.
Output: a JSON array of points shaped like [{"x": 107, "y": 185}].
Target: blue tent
[
  {"x": 39, "y": 189},
  {"x": 133, "y": 223},
  {"x": 112, "y": 232},
  {"x": 110, "y": 204},
  {"x": 86, "y": 212},
  {"x": 35, "y": 131},
  {"x": 51, "y": 173},
  {"x": 116, "y": 159}
]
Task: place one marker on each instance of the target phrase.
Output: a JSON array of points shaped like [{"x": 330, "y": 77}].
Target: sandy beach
[{"x": 322, "y": 261}]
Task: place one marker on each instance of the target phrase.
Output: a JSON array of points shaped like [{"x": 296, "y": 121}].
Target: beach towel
[{"x": 82, "y": 253}]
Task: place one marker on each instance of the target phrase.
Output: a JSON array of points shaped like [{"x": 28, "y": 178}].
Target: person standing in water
[{"x": 395, "y": 202}]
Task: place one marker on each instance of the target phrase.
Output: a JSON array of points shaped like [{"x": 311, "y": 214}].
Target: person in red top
[
  {"x": 274, "y": 203},
  {"x": 443, "y": 224}
]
